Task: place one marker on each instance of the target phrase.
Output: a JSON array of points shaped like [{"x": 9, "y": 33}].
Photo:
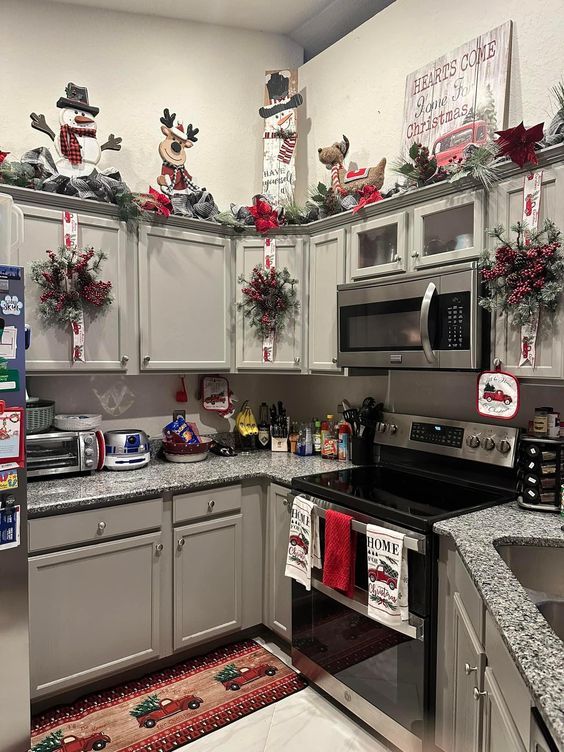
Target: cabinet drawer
[
  {"x": 93, "y": 525},
  {"x": 209, "y": 503}
]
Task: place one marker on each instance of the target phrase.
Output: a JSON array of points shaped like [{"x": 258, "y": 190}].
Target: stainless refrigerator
[{"x": 14, "y": 612}]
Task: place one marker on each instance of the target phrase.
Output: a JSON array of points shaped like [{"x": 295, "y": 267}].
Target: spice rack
[{"x": 540, "y": 473}]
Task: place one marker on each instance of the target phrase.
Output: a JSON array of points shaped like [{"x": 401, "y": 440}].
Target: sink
[
  {"x": 540, "y": 570},
  {"x": 553, "y": 612}
]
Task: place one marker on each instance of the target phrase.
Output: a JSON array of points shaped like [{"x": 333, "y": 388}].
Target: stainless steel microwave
[{"x": 423, "y": 320}]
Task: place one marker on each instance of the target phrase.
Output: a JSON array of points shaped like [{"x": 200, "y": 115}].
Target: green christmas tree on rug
[
  {"x": 228, "y": 672},
  {"x": 147, "y": 705},
  {"x": 50, "y": 743}
]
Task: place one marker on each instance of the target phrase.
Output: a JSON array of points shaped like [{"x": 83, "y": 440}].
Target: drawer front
[
  {"x": 94, "y": 525},
  {"x": 206, "y": 504}
]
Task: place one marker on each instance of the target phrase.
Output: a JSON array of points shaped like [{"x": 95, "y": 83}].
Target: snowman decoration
[{"x": 78, "y": 150}]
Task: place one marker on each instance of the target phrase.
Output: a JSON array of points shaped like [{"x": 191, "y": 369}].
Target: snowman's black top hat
[{"x": 77, "y": 97}]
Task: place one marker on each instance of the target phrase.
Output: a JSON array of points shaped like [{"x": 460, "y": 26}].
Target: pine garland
[
  {"x": 147, "y": 705},
  {"x": 525, "y": 276},
  {"x": 422, "y": 169},
  {"x": 269, "y": 298},
  {"x": 69, "y": 283}
]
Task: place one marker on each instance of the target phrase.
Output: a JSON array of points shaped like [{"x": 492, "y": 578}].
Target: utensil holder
[{"x": 362, "y": 451}]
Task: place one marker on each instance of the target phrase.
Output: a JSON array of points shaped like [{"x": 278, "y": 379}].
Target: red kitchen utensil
[{"x": 181, "y": 394}]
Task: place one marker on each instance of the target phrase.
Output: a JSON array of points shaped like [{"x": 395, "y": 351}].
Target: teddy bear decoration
[
  {"x": 174, "y": 177},
  {"x": 343, "y": 181},
  {"x": 78, "y": 150}
]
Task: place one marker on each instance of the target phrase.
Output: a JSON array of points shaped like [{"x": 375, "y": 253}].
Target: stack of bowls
[{"x": 179, "y": 451}]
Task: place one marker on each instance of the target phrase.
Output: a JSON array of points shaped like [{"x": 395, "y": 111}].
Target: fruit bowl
[{"x": 174, "y": 452}]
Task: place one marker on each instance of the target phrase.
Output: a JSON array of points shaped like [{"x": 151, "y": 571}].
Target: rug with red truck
[{"x": 170, "y": 708}]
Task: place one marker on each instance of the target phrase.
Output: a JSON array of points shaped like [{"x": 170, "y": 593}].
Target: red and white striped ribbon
[
  {"x": 70, "y": 240},
  {"x": 269, "y": 262},
  {"x": 532, "y": 184}
]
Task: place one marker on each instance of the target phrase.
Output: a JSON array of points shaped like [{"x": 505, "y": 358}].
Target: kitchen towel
[
  {"x": 340, "y": 552},
  {"x": 304, "y": 548},
  {"x": 387, "y": 576}
]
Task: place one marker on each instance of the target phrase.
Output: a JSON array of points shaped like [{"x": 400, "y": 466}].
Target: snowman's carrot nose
[{"x": 83, "y": 119}]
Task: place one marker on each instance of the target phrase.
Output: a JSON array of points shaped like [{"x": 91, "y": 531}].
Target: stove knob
[
  {"x": 392, "y": 428},
  {"x": 381, "y": 427},
  {"x": 473, "y": 441},
  {"x": 488, "y": 443},
  {"x": 504, "y": 446}
]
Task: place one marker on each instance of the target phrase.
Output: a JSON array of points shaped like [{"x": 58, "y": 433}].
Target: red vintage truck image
[
  {"x": 379, "y": 575},
  {"x": 498, "y": 396},
  {"x": 71, "y": 743},
  {"x": 298, "y": 540},
  {"x": 452, "y": 145},
  {"x": 151, "y": 710},
  {"x": 232, "y": 677}
]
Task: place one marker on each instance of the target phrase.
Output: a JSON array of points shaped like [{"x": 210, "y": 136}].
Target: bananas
[{"x": 245, "y": 422}]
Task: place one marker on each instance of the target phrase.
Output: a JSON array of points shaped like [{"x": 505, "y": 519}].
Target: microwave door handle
[{"x": 430, "y": 356}]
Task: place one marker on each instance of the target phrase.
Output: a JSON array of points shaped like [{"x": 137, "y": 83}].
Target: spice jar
[{"x": 540, "y": 422}]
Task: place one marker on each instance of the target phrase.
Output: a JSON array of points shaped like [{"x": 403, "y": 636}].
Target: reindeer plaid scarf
[{"x": 70, "y": 148}]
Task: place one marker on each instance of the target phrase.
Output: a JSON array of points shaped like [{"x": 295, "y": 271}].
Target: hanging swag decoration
[
  {"x": 269, "y": 299},
  {"x": 70, "y": 285}
]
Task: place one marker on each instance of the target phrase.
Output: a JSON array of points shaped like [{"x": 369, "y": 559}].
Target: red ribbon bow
[
  {"x": 155, "y": 201},
  {"x": 266, "y": 218},
  {"x": 368, "y": 195}
]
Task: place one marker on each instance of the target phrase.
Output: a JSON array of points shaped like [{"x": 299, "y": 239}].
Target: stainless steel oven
[
  {"x": 378, "y": 673},
  {"x": 421, "y": 320},
  {"x": 61, "y": 452}
]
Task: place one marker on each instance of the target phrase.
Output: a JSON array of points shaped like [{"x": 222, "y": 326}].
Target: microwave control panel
[{"x": 455, "y": 321}]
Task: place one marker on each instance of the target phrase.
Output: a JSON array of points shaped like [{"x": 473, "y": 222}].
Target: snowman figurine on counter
[{"x": 78, "y": 150}]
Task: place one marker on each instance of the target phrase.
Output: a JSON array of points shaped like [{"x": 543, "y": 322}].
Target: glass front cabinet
[
  {"x": 379, "y": 246},
  {"x": 447, "y": 231}
]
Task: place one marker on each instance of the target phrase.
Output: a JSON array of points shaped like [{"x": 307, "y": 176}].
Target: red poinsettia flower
[
  {"x": 519, "y": 143},
  {"x": 3, "y": 155},
  {"x": 266, "y": 218}
]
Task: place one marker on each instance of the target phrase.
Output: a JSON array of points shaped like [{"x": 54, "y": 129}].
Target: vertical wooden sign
[{"x": 281, "y": 100}]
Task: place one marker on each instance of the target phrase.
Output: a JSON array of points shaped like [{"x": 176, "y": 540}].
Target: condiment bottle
[
  {"x": 263, "y": 438},
  {"x": 316, "y": 436},
  {"x": 344, "y": 437}
]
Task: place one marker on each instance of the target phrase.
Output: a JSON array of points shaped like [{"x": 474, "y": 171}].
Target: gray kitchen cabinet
[
  {"x": 185, "y": 307},
  {"x": 93, "y": 611},
  {"x": 207, "y": 580},
  {"x": 379, "y": 246},
  {"x": 506, "y": 206},
  {"x": 326, "y": 271},
  {"x": 278, "y": 587},
  {"x": 500, "y": 731},
  {"x": 288, "y": 343},
  {"x": 109, "y": 334}
]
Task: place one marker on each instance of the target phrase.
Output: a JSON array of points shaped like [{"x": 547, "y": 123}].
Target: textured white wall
[
  {"x": 357, "y": 85},
  {"x": 134, "y": 66}
]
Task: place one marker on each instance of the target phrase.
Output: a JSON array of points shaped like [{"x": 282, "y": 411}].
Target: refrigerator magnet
[
  {"x": 8, "y": 343},
  {"x": 9, "y": 380},
  {"x": 11, "y": 434},
  {"x": 8, "y": 480},
  {"x": 10, "y": 527}
]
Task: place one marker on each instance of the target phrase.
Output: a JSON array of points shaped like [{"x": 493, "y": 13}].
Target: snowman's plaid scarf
[{"x": 70, "y": 148}]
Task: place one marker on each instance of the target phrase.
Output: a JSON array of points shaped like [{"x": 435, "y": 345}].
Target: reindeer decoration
[
  {"x": 344, "y": 182},
  {"x": 174, "y": 177}
]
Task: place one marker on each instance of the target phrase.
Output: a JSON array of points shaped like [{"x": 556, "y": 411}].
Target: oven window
[
  {"x": 387, "y": 326},
  {"x": 52, "y": 454}
]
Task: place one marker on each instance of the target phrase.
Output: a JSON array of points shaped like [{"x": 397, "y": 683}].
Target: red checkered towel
[{"x": 340, "y": 552}]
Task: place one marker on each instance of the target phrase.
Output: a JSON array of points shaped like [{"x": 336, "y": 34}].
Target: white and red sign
[{"x": 70, "y": 240}]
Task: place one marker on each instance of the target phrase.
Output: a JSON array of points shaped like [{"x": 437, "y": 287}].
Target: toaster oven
[{"x": 61, "y": 452}]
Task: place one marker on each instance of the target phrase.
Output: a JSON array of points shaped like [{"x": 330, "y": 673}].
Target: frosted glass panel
[
  {"x": 449, "y": 230},
  {"x": 377, "y": 246}
]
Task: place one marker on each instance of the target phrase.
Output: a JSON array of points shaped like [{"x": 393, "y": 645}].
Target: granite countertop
[
  {"x": 537, "y": 651},
  {"x": 106, "y": 488}
]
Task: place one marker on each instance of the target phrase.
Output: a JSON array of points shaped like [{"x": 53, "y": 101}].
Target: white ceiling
[{"x": 313, "y": 24}]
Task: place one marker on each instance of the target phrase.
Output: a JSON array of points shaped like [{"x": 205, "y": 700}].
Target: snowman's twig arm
[
  {"x": 40, "y": 124},
  {"x": 112, "y": 143}
]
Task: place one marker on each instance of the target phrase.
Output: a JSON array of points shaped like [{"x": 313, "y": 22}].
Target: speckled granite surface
[
  {"x": 535, "y": 648},
  {"x": 111, "y": 487}
]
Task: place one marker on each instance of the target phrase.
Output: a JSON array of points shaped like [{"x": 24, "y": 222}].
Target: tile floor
[{"x": 304, "y": 721}]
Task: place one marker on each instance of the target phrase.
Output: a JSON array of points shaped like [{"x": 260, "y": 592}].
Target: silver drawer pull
[
  {"x": 124, "y": 360},
  {"x": 159, "y": 547},
  {"x": 211, "y": 505},
  {"x": 477, "y": 694},
  {"x": 181, "y": 543},
  {"x": 468, "y": 669},
  {"x": 101, "y": 526}
]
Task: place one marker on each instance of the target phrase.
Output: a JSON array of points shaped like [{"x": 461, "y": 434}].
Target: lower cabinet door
[
  {"x": 93, "y": 611},
  {"x": 207, "y": 580},
  {"x": 500, "y": 731},
  {"x": 278, "y": 595}
]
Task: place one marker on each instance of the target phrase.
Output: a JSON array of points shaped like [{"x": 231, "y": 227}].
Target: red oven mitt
[{"x": 340, "y": 552}]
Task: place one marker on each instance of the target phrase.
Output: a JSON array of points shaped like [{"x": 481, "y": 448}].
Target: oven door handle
[
  {"x": 428, "y": 352},
  {"x": 414, "y": 627}
]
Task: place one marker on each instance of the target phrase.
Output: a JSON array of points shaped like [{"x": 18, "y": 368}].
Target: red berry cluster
[
  {"x": 525, "y": 271},
  {"x": 96, "y": 293}
]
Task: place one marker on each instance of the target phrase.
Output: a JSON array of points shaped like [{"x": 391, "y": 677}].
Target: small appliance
[
  {"x": 63, "y": 452},
  {"x": 422, "y": 320},
  {"x": 422, "y": 470},
  {"x": 127, "y": 449}
]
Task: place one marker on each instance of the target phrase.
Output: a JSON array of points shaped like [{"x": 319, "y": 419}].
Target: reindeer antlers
[
  {"x": 191, "y": 133},
  {"x": 167, "y": 118}
]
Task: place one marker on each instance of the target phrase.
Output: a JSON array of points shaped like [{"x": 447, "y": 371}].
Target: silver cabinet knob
[
  {"x": 334, "y": 361},
  {"x": 504, "y": 446},
  {"x": 159, "y": 547},
  {"x": 101, "y": 526},
  {"x": 415, "y": 254},
  {"x": 211, "y": 505},
  {"x": 124, "y": 360},
  {"x": 468, "y": 669},
  {"x": 146, "y": 359},
  {"x": 397, "y": 258},
  {"x": 297, "y": 361},
  {"x": 181, "y": 543},
  {"x": 477, "y": 694}
]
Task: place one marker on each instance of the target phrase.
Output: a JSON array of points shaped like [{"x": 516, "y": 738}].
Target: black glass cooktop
[{"x": 404, "y": 496}]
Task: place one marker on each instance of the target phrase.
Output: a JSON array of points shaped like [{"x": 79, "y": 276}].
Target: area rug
[{"x": 170, "y": 708}]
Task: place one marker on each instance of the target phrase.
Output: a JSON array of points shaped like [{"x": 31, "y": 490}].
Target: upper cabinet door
[
  {"x": 287, "y": 343},
  {"x": 449, "y": 230},
  {"x": 379, "y": 246},
  {"x": 326, "y": 271},
  {"x": 107, "y": 343},
  {"x": 184, "y": 300}
]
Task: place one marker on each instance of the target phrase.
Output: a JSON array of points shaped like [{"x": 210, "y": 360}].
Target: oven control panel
[{"x": 481, "y": 442}]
